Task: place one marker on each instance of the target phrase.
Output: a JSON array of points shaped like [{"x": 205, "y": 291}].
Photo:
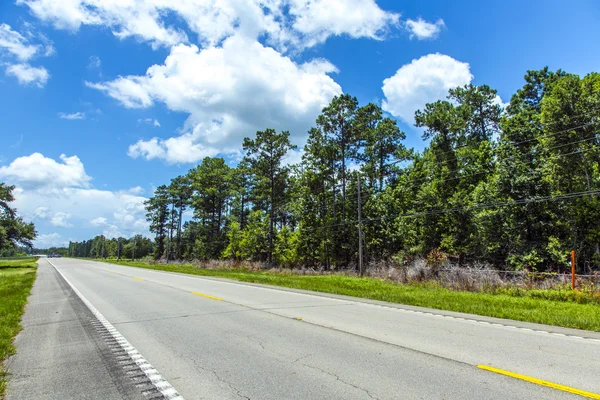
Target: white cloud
[
  {"x": 151, "y": 121},
  {"x": 422, "y": 29},
  {"x": 42, "y": 212},
  {"x": 26, "y": 74},
  {"x": 229, "y": 92},
  {"x": 118, "y": 213},
  {"x": 283, "y": 22},
  {"x": 61, "y": 219},
  {"x": 423, "y": 81},
  {"x": 498, "y": 100},
  {"x": 16, "y": 44},
  {"x": 129, "y": 91},
  {"x": 294, "y": 157},
  {"x": 49, "y": 240},
  {"x": 77, "y": 115},
  {"x": 137, "y": 190},
  {"x": 99, "y": 221},
  {"x": 36, "y": 171},
  {"x": 318, "y": 20}
]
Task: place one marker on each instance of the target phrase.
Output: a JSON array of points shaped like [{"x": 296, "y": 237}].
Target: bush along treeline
[
  {"x": 515, "y": 188},
  {"x": 136, "y": 247},
  {"x": 16, "y": 235}
]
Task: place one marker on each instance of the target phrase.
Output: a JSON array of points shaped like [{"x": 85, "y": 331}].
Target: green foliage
[
  {"x": 255, "y": 238},
  {"x": 514, "y": 188},
  {"x": 234, "y": 237},
  {"x": 13, "y": 230},
  {"x": 265, "y": 156},
  {"x": 285, "y": 253}
]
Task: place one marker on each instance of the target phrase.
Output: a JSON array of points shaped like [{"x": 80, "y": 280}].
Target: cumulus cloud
[
  {"x": 16, "y": 50},
  {"x": 99, "y": 221},
  {"x": 424, "y": 80},
  {"x": 17, "y": 45},
  {"x": 318, "y": 20},
  {"x": 284, "y": 23},
  {"x": 42, "y": 212},
  {"x": 137, "y": 190},
  {"x": 77, "y": 115},
  {"x": 116, "y": 211},
  {"x": 26, "y": 74},
  {"x": 55, "y": 193},
  {"x": 61, "y": 219},
  {"x": 49, "y": 240},
  {"x": 422, "y": 29},
  {"x": 36, "y": 171},
  {"x": 229, "y": 92}
]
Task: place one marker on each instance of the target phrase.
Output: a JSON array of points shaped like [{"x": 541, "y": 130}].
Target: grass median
[
  {"x": 554, "y": 307},
  {"x": 16, "y": 279}
]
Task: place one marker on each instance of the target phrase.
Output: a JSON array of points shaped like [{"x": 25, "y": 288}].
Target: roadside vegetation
[
  {"x": 17, "y": 274},
  {"x": 16, "y": 279},
  {"x": 513, "y": 187},
  {"x": 557, "y": 305},
  {"x": 482, "y": 220}
]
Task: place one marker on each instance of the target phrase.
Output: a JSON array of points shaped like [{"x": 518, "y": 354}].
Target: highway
[{"x": 207, "y": 338}]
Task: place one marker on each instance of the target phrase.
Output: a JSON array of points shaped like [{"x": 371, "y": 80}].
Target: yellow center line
[
  {"x": 541, "y": 382},
  {"x": 207, "y": 296},
  {"x": 137, "y": 279}
]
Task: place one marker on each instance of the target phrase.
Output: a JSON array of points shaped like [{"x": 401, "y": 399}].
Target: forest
[{"x": 515, "y": 188}]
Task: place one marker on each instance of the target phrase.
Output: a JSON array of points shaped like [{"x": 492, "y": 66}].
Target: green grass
[
  {"x": 16, "y": 279},
  {"x": 553, "y": 307}
]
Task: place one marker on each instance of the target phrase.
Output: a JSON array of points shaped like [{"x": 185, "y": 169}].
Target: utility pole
[
  {"x": 360, "y": 242},
  {"x": 118, "y": 249}
]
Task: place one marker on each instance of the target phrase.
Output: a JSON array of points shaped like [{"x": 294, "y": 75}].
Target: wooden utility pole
[
  {"x": 360, "y": 241},
  {"x": 573, "y": 269}
]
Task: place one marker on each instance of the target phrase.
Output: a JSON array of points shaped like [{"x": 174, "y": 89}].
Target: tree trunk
[{"x": 179, "y": 229}]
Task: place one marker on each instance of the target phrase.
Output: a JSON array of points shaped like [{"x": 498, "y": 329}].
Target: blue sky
[{"x": 88, "y": 130}]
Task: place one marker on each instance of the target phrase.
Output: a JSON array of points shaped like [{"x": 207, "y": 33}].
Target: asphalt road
[{"x": 218, "y": 339}]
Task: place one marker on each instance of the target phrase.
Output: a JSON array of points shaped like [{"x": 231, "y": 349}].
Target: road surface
[{"x": 206, "y": 338}]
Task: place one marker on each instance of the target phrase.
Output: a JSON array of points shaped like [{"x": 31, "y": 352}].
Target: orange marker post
[{"x": 573, "y": 269}]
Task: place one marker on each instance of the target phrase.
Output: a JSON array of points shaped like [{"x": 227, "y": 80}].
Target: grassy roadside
[
  {"x": 556, "y": 307},
  {"x": 16, "y": 279}
]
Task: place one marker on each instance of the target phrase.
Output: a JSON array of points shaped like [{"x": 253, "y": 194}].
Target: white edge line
[{"x": 157, "y": 380}]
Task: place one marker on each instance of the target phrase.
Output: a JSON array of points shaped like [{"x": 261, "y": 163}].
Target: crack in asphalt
[
  {"x": 301, "y": 358},
  {"x": 341, "y": 380},
  {"x": 237, "y": 391}
]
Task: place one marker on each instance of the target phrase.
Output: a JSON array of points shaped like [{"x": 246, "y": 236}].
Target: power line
[
  {"x": 505, "y": 142},
  {"x": 491, "y": 205},
  {"x": 484, "y": 171}
]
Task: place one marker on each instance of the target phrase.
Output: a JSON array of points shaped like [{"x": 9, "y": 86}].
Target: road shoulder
[{"x": 61, "y": 353}]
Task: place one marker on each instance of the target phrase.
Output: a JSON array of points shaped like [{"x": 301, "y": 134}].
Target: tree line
[
  {"x": 515, "y": 187},
  {"x": 100, "y": 246}
]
